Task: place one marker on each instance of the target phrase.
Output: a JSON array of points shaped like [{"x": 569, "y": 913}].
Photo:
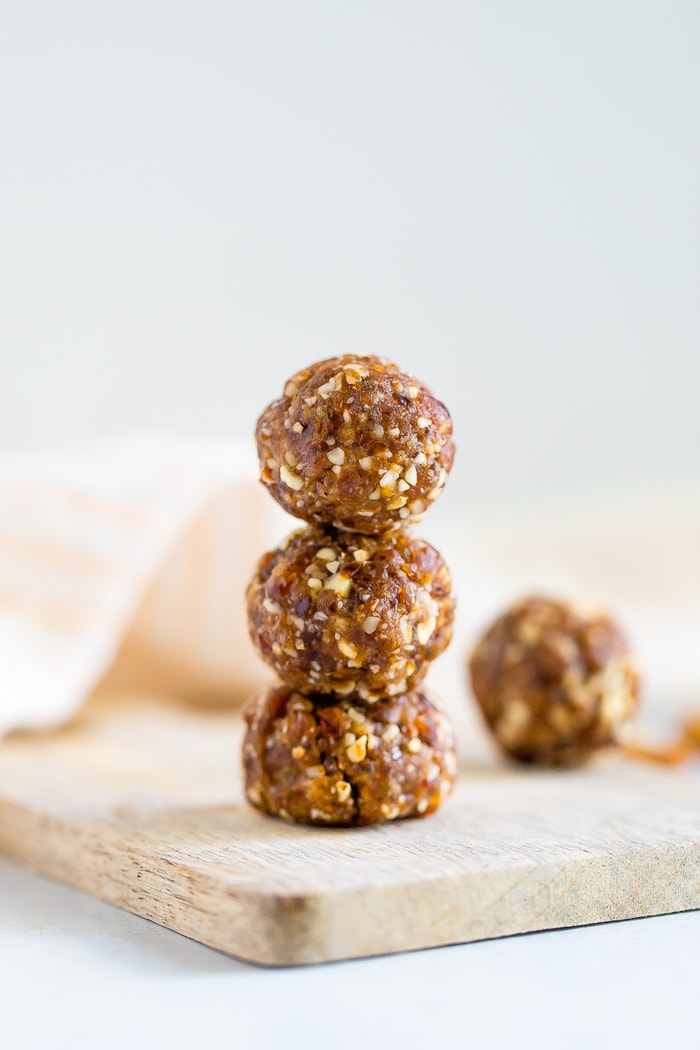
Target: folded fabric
[{"x": 129, "y": 559}]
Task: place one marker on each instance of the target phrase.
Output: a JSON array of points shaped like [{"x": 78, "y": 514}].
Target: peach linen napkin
[{"x": 129, "y": 559}]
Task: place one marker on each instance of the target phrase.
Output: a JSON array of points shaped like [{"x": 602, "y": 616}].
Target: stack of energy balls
[{"x": 350, "y": 610}]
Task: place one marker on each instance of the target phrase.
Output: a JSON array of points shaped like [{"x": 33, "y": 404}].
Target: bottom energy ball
[
  {"x": 329, "y": 761},
  {"x": 554, "y": 682}
]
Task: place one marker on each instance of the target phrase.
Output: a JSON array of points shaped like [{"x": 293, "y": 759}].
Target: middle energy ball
[{"x": 360, "y": 616}]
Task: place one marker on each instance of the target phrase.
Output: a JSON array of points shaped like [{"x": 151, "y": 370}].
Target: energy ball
[
  {"x": 360, "y": 616},
  {"x": 554, "y": 682},
  {"x": 328, "y": 762},
  {"x": 355, "y": 443}
]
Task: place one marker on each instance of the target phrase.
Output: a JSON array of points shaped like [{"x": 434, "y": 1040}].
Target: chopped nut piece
[
  {"x": 347, "y": 649},
  {"x": 357, "y": 751},
  {"x": 293, "y": 481},
  {"x": 425, "y": 629},
  {"x": 339, "y": 583},
  {"x": 326, "y": 554},
  {"x": 389, "y": 479}
]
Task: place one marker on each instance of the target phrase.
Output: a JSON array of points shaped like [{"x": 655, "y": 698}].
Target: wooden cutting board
[{"x": 140, "y": 804}]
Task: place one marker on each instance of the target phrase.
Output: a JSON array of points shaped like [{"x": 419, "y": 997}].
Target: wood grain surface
[{"x": 139, "y": 803}]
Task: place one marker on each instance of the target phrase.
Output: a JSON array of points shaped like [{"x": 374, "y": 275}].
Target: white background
[{"x": 196, "y": 199}]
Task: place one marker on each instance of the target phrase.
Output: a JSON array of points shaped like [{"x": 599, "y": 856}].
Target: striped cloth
[{"x": 129, "y": 558}]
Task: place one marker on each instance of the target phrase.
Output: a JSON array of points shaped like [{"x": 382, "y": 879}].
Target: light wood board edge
[{"x": 295, "y": 929}]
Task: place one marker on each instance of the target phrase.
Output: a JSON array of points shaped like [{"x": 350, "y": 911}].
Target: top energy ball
[{"x": 355, "y": 443}]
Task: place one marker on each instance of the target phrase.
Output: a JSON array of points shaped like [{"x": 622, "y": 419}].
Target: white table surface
[{"x": 78, "y": 973}]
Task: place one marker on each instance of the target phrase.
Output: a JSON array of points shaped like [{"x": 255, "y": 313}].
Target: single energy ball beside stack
[
  {"x": 554, "y": 681},
  {"x": 350, "y": 610}
]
